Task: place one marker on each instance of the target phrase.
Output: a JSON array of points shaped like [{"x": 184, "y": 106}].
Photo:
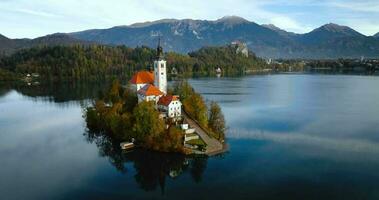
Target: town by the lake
[{"x": 189, "y": 100}]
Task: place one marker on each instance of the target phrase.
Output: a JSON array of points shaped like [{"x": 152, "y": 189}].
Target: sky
[{"x": 34, "y": 18}]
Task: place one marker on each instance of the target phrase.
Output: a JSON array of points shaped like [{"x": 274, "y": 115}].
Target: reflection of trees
[
  {"x": 198, "y": 167},
  {"x": 152, "y": 168},
  {"x": 57, "y": 91}
]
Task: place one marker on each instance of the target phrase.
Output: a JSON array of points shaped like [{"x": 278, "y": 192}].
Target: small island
[{"x": 150, "y": 115}]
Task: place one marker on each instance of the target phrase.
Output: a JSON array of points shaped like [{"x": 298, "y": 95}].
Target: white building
[
  {"x": 160, "y": 70},
  {"x": 153, "y": 87},
  {"x": 171, "y": 105}
]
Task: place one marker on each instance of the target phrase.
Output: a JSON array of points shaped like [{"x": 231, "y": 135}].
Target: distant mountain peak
[
  {"x": 149, "y": 23},
  {"x": 376, "y": 35},
  {"x": 272, "y": 27},
  {"x": 278, "y": 30},
  {"x": 337, "y": 29},
  {"x": 2, "y": 37},
  {"x": 229, "y": 20},
  {"x": 232, "y": 19},
  {"x": 57, "y": 38}
]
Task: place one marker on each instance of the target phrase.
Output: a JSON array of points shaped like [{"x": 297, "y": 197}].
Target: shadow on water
[{"x": 152, "y": 168}]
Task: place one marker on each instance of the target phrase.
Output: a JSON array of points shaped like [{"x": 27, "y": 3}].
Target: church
[{"x": 152, "y": 86}]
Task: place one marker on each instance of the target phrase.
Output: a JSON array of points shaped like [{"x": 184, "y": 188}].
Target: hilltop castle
[{"x": 152, "y": 86}]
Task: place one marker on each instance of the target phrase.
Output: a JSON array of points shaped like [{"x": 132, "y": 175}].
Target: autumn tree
[
  {"x": 193, "y": 103},
  {"x": 147, "y": 121},
  {"x": 114, "y": 92},
  {"x": 216, "y": 120},
  {"x": 195, "y": 106},
  {"x": 170, "y": 140}
]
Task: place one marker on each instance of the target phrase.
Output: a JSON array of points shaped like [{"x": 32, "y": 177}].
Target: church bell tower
[{"x": 160, "y": 72}]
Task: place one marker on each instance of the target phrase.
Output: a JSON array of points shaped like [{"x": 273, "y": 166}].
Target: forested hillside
[{"x": 100, "y": 62}]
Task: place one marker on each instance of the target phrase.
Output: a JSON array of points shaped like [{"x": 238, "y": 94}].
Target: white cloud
[
  {"x": 31, "y": 18},
  {"x": 327, "y": 143},
  {"x": 289, "y": 24},
  {"x": 366, "y": 6}
]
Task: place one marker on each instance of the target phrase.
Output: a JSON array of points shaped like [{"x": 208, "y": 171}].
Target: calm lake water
[{"x": 290, "y": 136}]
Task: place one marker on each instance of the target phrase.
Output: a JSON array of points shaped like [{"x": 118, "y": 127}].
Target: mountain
[
  {"x": 328, "y": 41},
  {"x": 279, "y": 30},
  {"x": 329, "y": 32},
  {"x": 56, "y": 39},
  {"x": 8, "y": 46},
  {"x": 189, "y": 35},
  {"x": 376, "y": 35}
]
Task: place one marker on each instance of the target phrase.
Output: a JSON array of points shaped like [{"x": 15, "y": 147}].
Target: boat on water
[{"x": 127, "y": 145}]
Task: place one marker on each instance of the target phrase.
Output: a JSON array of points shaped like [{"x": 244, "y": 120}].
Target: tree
[
  {"x": 114, "y": 92},
  {"x": 102, "y": 62},
  {"x": 170, "y": 140},
  {"x": 195, "y": 106},
  {"x": 147, "y": 121},
  {"x": 193, "y": 102},
  {"x": 216, "y": 120},
  {"x": 130, "y": 98},
  {"x": 183, "y": 89}
]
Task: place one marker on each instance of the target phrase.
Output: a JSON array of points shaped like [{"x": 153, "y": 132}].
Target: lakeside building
[
  {"x": 240, "y": 47},
  {"x": 171, "y": 105},
  {"x": 152, "y": 86},
  {"x": 149, "y": 93}
]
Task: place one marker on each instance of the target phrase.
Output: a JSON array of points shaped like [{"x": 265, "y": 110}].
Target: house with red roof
[
  {"x": 171, "y": 105},
  {"x": 149, "y": 93},
  {"x": 142, "y": 78}
]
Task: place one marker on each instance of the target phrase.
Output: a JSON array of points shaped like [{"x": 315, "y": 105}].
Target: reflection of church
[{"x": 153, "y": 87}]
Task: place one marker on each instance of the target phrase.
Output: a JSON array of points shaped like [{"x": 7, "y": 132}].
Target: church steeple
[
  {"x": 160, "y": 71},
  {"x": 159, "y": 50}
]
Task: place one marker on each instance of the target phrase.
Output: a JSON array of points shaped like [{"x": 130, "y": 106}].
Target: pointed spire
[{"x": 159, "y": 49}]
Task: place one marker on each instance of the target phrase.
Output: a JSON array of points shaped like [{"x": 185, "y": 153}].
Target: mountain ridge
[
  {"x": 8, "y": 46},
  {"x": 186, "y": 35},
  {"x": 329, "y": 41}
]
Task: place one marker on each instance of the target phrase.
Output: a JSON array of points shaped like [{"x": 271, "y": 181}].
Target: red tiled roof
[
  {"x": 150, "y": 90},
  {"x": 142, "y": 77},
  {"x": 166, "y": 100}
]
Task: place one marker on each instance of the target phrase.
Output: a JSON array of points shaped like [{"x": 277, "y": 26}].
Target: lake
[{"x": 290, "y": 136}]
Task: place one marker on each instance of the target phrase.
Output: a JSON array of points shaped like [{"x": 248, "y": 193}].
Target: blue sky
[{"x": 33, "y": 18}]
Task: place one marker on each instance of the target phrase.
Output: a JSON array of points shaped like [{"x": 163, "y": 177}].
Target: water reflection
[
  {"x": 62, "y": 93},
  {"x": 291, "y": 137},
  {"x": 152, "y": 168}
]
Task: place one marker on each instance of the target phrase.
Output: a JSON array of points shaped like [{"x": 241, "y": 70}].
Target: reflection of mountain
[{"x": 152, "y": 168}]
